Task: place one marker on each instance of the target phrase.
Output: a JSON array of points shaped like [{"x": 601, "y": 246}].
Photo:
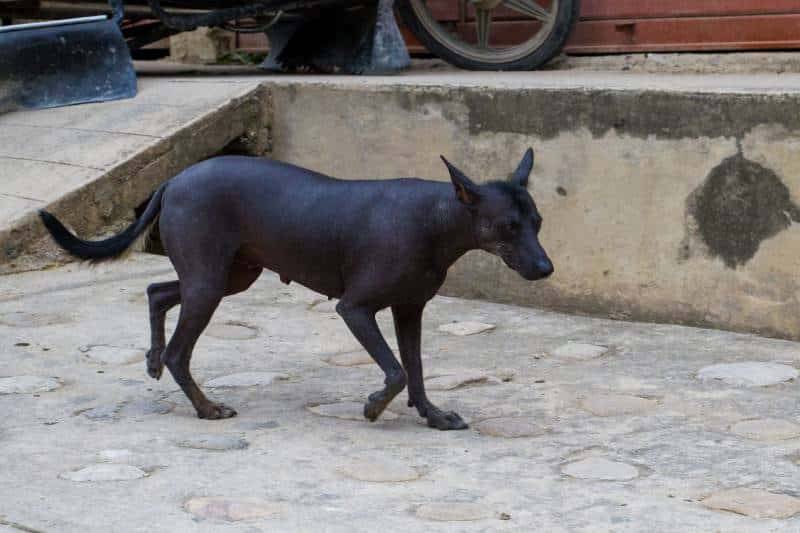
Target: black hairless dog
[{"x": 371, "y": 244}]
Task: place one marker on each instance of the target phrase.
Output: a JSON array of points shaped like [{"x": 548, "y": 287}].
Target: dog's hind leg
[
  {"x": 199, "y": 299},
  {"x": 161, "y": 297},
  {"x": 164, "y": 296},
  {"x": 241, "y": 276}
]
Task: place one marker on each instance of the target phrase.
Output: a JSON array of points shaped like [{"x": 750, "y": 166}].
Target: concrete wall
[{"x": 658, "y": 205}]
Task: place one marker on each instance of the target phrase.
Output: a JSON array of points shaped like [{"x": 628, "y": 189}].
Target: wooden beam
[
  {"x": 758, "y": 32},
  {"x": 636, "y": 9}
]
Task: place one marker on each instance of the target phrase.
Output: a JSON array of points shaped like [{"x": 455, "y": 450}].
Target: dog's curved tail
[{"x": 107, "y": 249}]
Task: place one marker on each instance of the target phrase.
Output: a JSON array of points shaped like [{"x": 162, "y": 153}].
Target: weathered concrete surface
[
  {"x": 92, "y": 164},
  {"x": 665, "y": 198},
  {"x": 740, "y": 63},
  {"x": 536, "y": 458},
  {"x": 684, "y": 63}
]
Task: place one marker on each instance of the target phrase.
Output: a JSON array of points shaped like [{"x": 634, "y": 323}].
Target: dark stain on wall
[{"x": 740, "y": 204}]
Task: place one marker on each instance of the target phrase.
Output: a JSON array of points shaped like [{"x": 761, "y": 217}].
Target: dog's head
[{"x": 505, "y": 219}]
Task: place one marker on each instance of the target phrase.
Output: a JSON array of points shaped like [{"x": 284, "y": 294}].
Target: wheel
[{"x": 533, "y": 31}]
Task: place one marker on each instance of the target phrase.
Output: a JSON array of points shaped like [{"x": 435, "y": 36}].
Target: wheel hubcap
[{"x": 541, "y": 14}]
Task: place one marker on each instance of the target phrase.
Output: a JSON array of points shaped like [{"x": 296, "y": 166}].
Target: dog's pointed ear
[
  {"x": 520, "y": 176},
  {"x": 467, "y": 192}
]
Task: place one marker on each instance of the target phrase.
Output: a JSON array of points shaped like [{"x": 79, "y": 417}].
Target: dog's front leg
[
  {"x": 361, "y": 321},
  {"x": 408, "y": 325}
]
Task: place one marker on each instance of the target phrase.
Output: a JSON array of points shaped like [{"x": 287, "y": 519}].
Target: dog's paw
[
  {"x": 155, "y": 367},
  {"x": 376, "y": 403},
  {"x": 445, "y": 420},
  {"x": 216, "y": 411}
]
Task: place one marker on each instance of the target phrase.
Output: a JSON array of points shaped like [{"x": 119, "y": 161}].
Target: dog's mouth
[
  {"x": 508, "y": 258},
  {"x": 533, "y": 276},
  {"x": 529, "y": 274},
  {"x": 513, "y": 262}
]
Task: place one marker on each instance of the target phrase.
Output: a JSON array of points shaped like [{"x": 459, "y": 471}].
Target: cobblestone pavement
[{"x": 577, "y": 424}]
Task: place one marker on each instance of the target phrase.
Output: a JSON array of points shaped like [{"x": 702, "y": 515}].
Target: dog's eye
[{"x": 511, "y": 227}]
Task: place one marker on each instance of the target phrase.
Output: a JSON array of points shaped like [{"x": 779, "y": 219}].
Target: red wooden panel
[
  {"x": 675, "y": 33},
  {"x": 251, "y": 42},
  {"x": 762, "y": 32},
  {"x": 413, "y": 45},
  {"x": 621, "y": 9}
]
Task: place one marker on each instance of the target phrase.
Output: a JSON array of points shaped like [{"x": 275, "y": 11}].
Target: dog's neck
[{"x": 452, "y": 230}]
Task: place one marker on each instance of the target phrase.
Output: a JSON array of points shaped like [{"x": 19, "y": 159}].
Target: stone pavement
[{"x": 577, "y": 424}]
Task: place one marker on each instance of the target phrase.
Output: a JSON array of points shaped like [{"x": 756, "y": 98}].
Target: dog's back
[{"x": 306, "y": 226}]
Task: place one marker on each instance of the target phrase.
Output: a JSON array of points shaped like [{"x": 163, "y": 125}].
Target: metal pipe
[
  {"x": 55, "y": 8},
  {"x": 51, "y": 23},
  {"x": 213, "y": 18}
]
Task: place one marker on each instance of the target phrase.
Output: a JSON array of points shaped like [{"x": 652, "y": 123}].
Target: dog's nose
[{"x": 545, "y": 267}]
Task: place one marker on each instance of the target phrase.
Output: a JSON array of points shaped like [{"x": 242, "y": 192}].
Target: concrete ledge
[
  {"x": 113, "y": 171},
  {"x": 684, "y": 63}
]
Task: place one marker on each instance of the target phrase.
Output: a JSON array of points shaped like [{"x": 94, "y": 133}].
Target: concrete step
[{"x": 91, "y": 164}]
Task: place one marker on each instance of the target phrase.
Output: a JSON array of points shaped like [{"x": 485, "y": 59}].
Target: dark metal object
[
  {"x": 372, "y": 244},
  {"x": 218, "y": 17},
  {"x": 61, "y": 9},
  {"x": 72, "y": 61},
  {"x": 387, "y": 52},
  {"x": 351, "y": 41},
  {"x": 279, "y": 36},
  {"x": 362, "y": 40},
  {"x": 145, "y": 32},
  {"x": 344, "y": 36}
]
